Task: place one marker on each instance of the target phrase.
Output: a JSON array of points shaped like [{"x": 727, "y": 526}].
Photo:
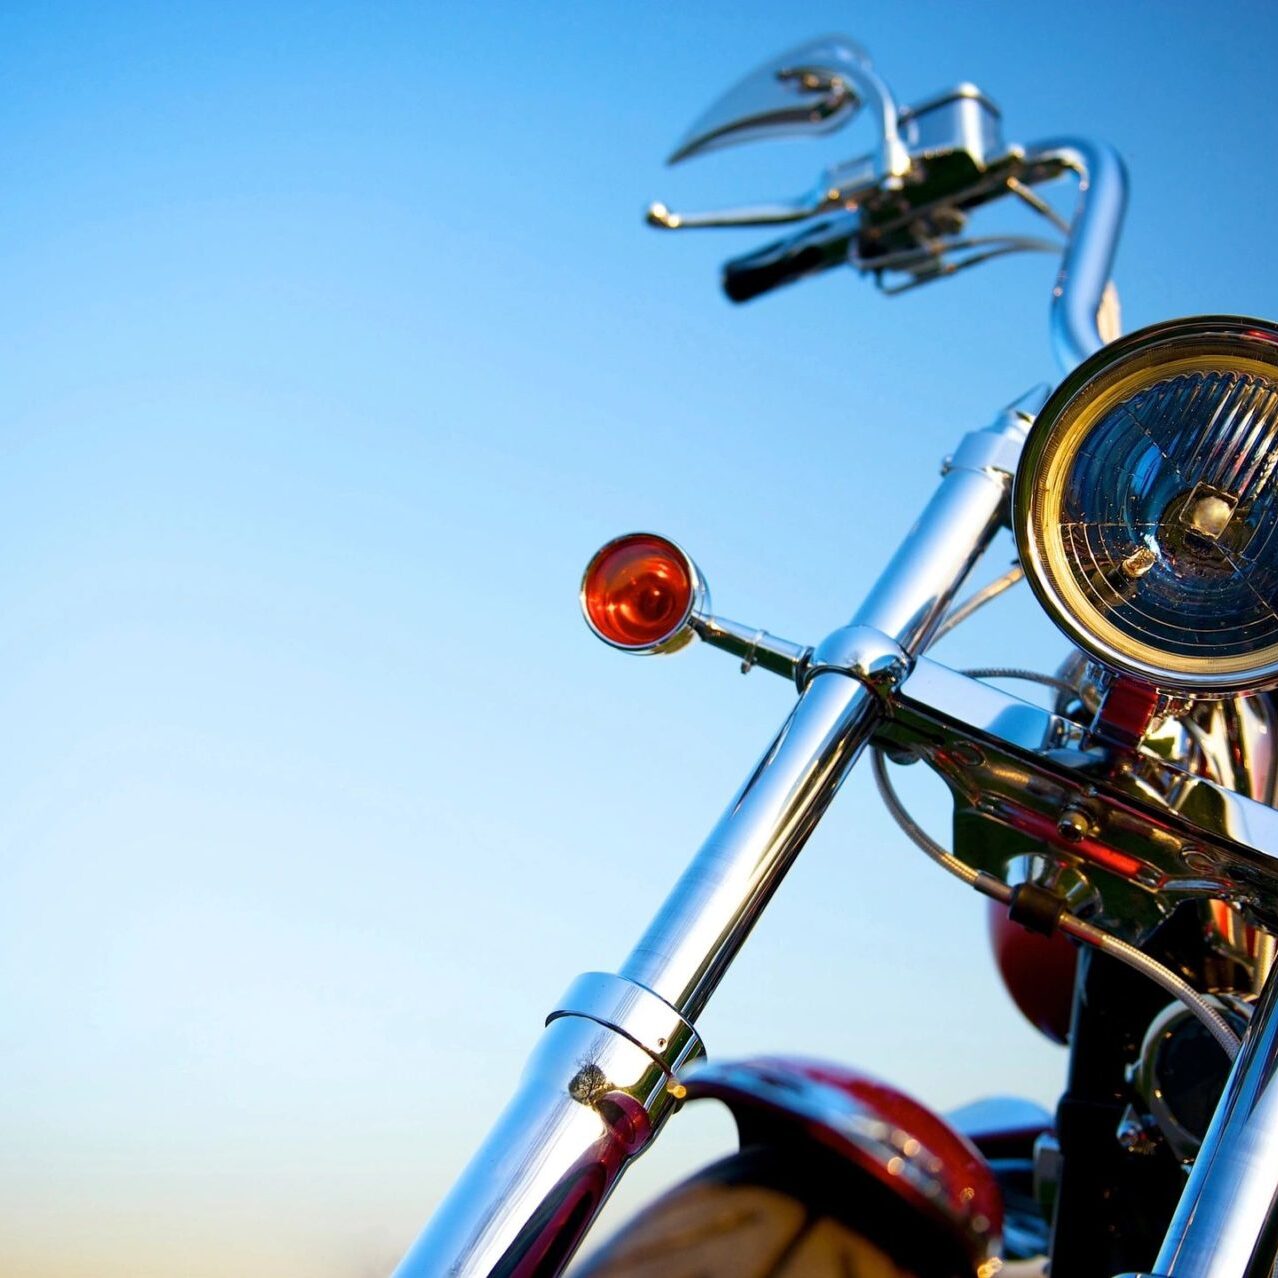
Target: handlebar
[
  {"x": 615, "y": 1045},
  {"x": 814, "y": 249},
  {"x": 1081, "y": 322},
  {"x": 899, "y": 212},
  {"x": 1084, "y": 304}
]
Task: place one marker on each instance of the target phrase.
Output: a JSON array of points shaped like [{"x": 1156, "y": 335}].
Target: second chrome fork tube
[
  {"x": 604, "y": 1077},
  {"x": 1226, "y": 1225},
  {"x": 706, "y": 918}
]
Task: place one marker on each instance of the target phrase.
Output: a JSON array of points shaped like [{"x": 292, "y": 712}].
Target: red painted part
[
  {"x": 550, "y": 1239},
  {"x": 1044, "y": 828},
  {"x": 638, "y": 590},
  {"x": 879, "y": 1129},
  {"x": 1126, "y": 711},
  {"x": 1245, "y": 936},
  {"x": 1037, "y": 970}
]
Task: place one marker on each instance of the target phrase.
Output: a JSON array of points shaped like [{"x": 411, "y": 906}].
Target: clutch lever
[{"x": 815, "y": 88}]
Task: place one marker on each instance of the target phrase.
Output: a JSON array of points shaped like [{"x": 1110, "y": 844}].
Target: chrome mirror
[
  {"x": 815, "y": 88},
  {"x": 810, "y": 89}
]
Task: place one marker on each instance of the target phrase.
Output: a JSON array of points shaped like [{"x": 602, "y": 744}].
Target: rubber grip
[{"x": 817, "y": 248}]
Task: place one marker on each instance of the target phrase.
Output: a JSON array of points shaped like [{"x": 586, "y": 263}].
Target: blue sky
[{"x": 333, "y": 345}]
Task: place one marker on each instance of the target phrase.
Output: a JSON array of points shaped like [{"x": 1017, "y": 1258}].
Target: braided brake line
[
  {"x": 1071, "y": 924},
  {"x": 990, "y": 886}
]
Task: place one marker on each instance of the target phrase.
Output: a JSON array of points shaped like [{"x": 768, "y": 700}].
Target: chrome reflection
[
  {"x": 1144, "y": 832},
  {"x": 592, "y": 1096}
]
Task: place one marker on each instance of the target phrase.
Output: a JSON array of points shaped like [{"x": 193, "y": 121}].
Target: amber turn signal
[{"x": 639, "y": 593}]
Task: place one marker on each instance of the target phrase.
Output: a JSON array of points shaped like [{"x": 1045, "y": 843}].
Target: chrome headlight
[{"x": 1146, "y": 505}]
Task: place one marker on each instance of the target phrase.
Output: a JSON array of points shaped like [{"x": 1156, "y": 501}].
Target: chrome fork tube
[
  {"x": 1226, "y": 1225},
  {"x": 705, "y": 919},
  {"x": 604, "y": 1077}
]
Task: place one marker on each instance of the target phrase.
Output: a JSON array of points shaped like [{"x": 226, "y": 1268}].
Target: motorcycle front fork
[
  {"x": 605, "y": 1075},
  {"x": 1226, "y": 1224},
  {"x": 1112, "y": 1203}
]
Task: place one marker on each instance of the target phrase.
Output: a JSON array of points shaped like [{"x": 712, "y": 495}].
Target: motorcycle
[{"x": 1124, "y": 836}]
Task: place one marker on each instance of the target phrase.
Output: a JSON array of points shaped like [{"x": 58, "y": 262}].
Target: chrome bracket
[
  {"x": 866, "y": 654},
  {"x": 636, "y": 1013},
  {"x": 997, "y": 452},
  {"x": 1142, "y": 831},
  {"x": 984, "y": 451}
]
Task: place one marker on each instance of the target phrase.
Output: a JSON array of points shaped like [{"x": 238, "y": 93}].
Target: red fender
[
  {"x": 878, "y": 1129},
  {"x": 1037, "y": 970}
]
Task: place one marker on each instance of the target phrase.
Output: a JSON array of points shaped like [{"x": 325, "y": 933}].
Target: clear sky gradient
[{"x": 333, "y": 344}]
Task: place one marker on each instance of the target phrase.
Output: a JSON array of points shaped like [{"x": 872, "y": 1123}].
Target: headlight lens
[{"x": 1146, "y": 505}]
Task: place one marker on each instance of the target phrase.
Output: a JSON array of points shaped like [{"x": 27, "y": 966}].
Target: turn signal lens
[{"x": 639, "y": 592}]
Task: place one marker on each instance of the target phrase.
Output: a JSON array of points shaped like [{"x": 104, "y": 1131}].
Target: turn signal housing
[{"x": 640, "y": 593}]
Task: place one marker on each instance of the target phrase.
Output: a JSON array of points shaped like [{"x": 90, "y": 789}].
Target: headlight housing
[{"x": 1146, "y": 505}]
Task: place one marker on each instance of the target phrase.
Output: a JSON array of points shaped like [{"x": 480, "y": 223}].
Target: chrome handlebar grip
[
  {"x": 1079, "y": 295},
  {"x": 599, "y": 1086}
]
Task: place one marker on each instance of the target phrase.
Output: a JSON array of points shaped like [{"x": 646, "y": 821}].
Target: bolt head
[{"x": 1073, "y": 825}]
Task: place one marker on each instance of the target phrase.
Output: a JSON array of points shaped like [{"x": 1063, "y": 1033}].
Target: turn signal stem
[{"x": 755, "y": 647}]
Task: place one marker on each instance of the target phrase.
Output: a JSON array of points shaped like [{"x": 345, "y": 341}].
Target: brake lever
[
  {"x": 743, "y": 215},
  {"x": 840, "y": 187}
]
